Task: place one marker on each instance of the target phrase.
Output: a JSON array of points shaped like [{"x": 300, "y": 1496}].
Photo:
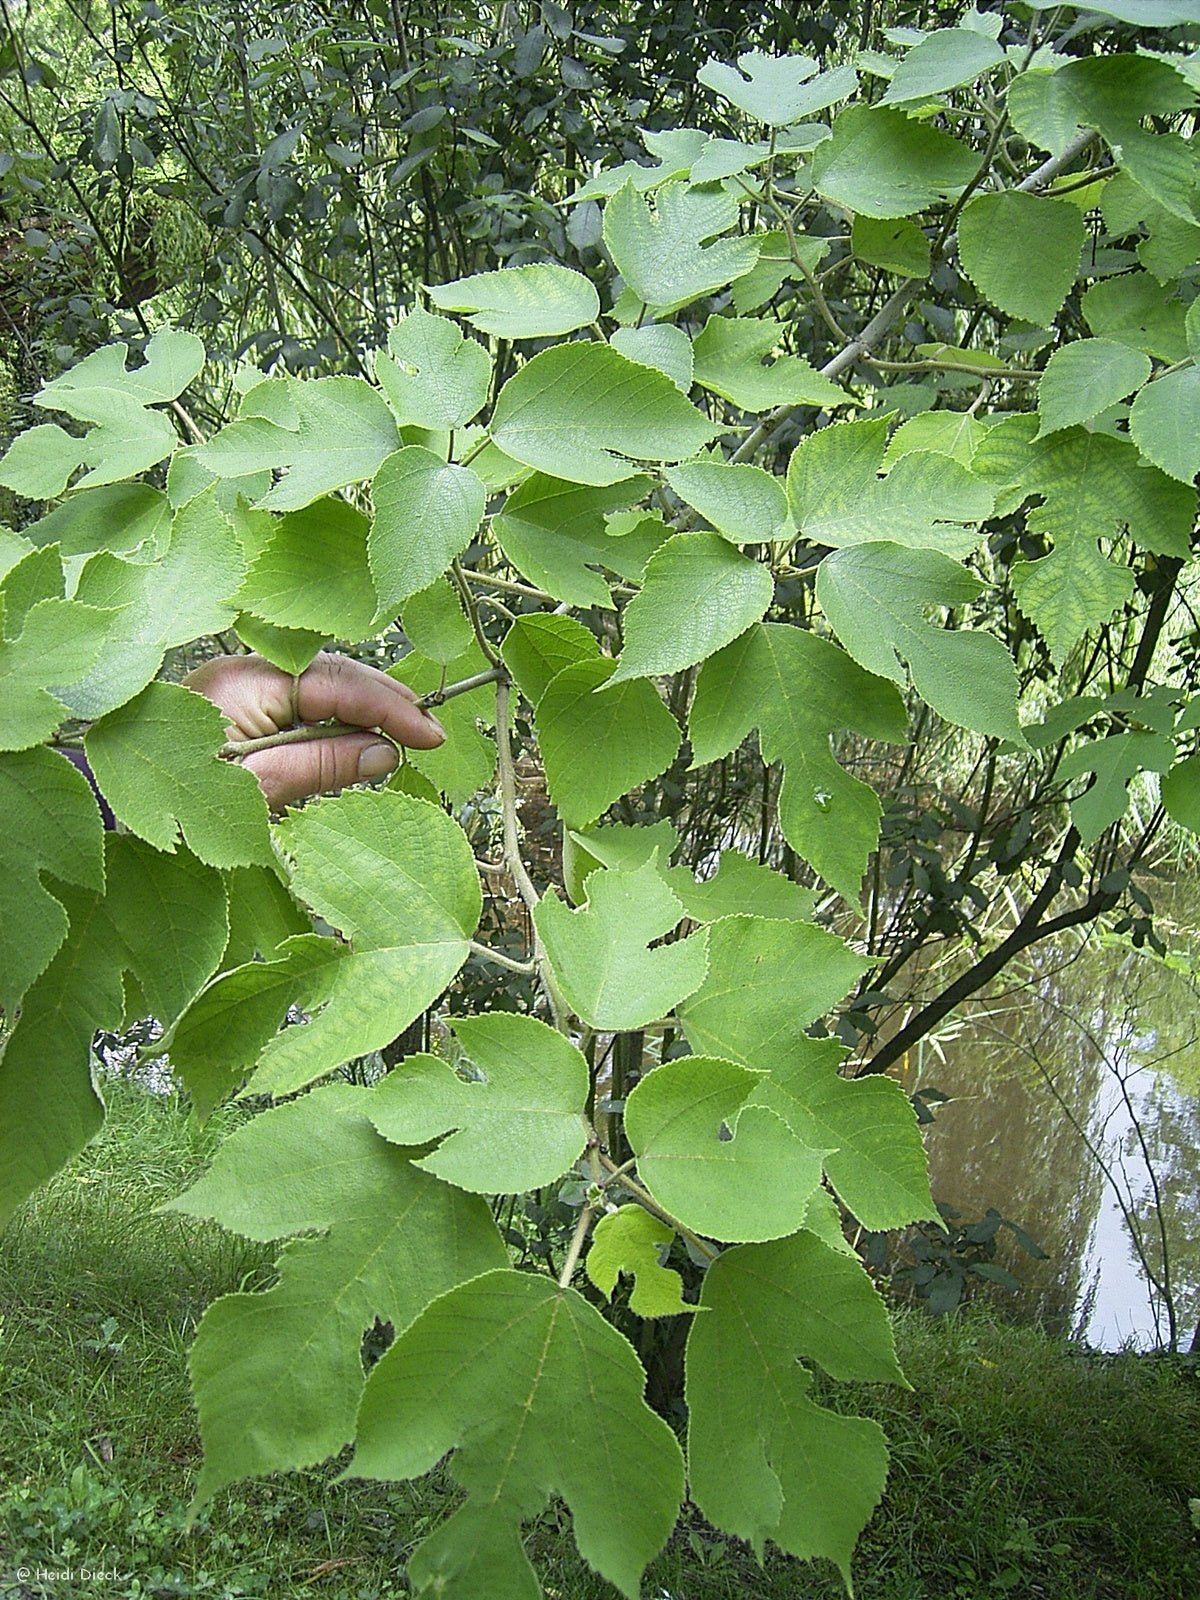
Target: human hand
[{"x": 260, "y": 700}]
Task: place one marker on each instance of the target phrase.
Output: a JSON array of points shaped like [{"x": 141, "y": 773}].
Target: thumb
[{"x": 320, "y": 766}]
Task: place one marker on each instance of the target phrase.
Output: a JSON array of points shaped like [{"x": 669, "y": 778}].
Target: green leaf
[
  {"x": 767, "y": 982},
  {"x": 618, "y": 844},
  {"x": 699, "y": 595},
  {"x": 630, "y": 1241},
  {"x": 727, "y": 1169},
  {"x": 1133, "y": 309},
  {"x": 881, "y": 164},
  {"x": 737, "y": 883},
  {"x": 675, "y": 150},
  {"x": 798, "y": 689},
  {"x": 658, "y": 345},
  {"x": 764, "y": 1461},
  {"x": 1070, "y": 591},
  {"x": 876, "y": 1159},
  {"x": 433, "y": 376},
  {"x": 36, "y": 576},
  {"x": 1180, "y": 790},
  {"x": 777, "y": 90},
  {"x": 1165, "y": 423},
  {"x": 1114, "y": 762},
  {"x": 435, "y": 622},
  {"x": 576, "y": 409},
  {"x": 946, "y": 433},
  {"x": 289, "y": 649},
  {"x": 637, "y": 733},
  {"x": 395, "y": 877},
  {"x": 159, "y": 605},
  {"x": 120, "y": 517},
  {"x": 729, "y": 356},
  {"x": 600, "y": 953},
  {"x": 775, "y": 267},
  {"x": 155, "y": 759},
  {"x": 554, "y": 534},
  {"x": 744, "y": 504},
  {"x": 52, "y": 829},
  {"x": 162, "y": 920},
  {"x": 426, "y": 513},
  {"x": 538, "y": 647},
  {"x": 661, "y": 253},
  {"x": 515, "y": 1126},
  {"x": 40, "y": 461},
  {"x": 59, "y": 639},
  {"x": 262, "y": 915},
  {"x": 837, "y": 498},
  {"x": 533, "y": 302},
  {"x": 1086, "y": 377},
  {"x": 1021, "y": 251},
  {"x": 342, "y": 433},
  {"x": 895, "y": 244},
  {"x": 98, "y": 388},
  {"x": 875, "y": 596},
  {"x": 463, "y": 765},
  {"x": 944, "y": 59},
  {"x": 312, "y": 573},
  {"x": 502, "y": 1368}
]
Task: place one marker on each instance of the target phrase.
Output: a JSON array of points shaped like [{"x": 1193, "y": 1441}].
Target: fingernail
[
  {"x": 377, "y": 759},
  {"x": 430, "y": 716}
]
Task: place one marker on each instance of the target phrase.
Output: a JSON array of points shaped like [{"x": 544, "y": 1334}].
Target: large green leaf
[
  {"x": 536, "y": 648},
  {"x": 341, "y": 433},
  {"x": 155, "y": 759},
  {"x": 928, "y": 500},
  {"x": 1086, "y": 377},
  {"x": 1165, "y": 423},
  {"x": 764, "y": 1461},
  {"x": 426, "y": 513},
  {"x": 162, "y": 920},
  {"x": 52, "y": 829},
  {"x": 729, "y": 360},
  {"x": 554, "y": 533},
  {"x": 875, "y": 597},
  {"x": 662, "y": 254},
  {"x": 724, "y": 1167},
  {"x": 40, "y": 462},
  {"x": 699, "y": 594},
  {"x": 514, "y": 1126},
  {"x": 533, "y": 302},
  {"x": 777, "y": 90},
  {"x": 1131, "y": 308},
  {"x": 311, "y": 573},
  {"x": 768, "y": 981},
  {"x": 798, "y": 689},
  {"x": 600, "y": 953},
  {"x": 744, "y": 504},
  {"x": 881, "y": 164},
  {"x": 500, "y": 1370},
  {"x": 99, "y": 388},
  {"x": 278, "y": 1376},
  {"x": 944, "y": 59},
  {"x": 1021, "y": 251},
  {"x": 575, "y": 410},
  {"x": 875, "y": 1159},
  {"x": 638, "y": 735},
  {"x": 630, "y": 1241},
  {"x": 118, "y": 517},
  {"x": 1180, "y": 790},
  {"x": 433, "y": 376},
  {"x": 59, "y": 640}
]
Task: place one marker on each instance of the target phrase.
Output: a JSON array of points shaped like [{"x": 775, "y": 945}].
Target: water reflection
[{"x": 1076, "y": 1113}]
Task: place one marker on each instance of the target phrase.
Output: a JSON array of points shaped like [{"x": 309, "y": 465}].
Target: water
[{"x": 1075, "y": 1111}]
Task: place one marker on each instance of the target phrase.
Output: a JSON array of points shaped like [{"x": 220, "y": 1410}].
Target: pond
[{"x": 1074, "y": 1110}]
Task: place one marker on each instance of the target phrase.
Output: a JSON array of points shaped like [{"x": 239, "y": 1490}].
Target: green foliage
[{"x": 576, "y": 548}]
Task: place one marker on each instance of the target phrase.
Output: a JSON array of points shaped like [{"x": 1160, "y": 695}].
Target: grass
[{"x": 1020, "y": 1465}]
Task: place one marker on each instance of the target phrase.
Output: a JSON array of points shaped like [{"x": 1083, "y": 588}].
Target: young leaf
[
  {"x": 52, "y": 829},
  {"x": 517, "y": 1128},
  {"x": 433, "y": 376},
  {"x": 637, "y": 733},
  {"x": 436, "y": 624},
  {"x": 764, "y": 1461},
  {"x": 550, "y": 1359},
  {"x": 777, "y": 90},
  {"x": 600, "y": 953},
  {"x": 463, "y": 765},
  {"x": 744, "y": 504},
  {"x": 699, "y": 595},
  {"x": 729, "y": 356},
  {"x": 289, "y": 649},
  {"x": 896, "y": 245},
  {"x": 553, "y": 532},
  {"x": 725, "y": 1168},
  {"x": 1114, "y": 762},
  {"x": 737, "y": 883},
  {"x": 426, "y": 513},
  {"x": 658, "y": 345},
  {"x": 1165, "y": 423},
  {"x": 311, "y": 573},
  {"x": 767, "y": 982},
  {"x": 537, "y": 648},
  {"x": 576, "y": 409},
  {"x": 1085, "y": 378},
  {"x": 120, "y": 517},
  {"x": 662, "y": 254},
  {"x": 629, "y": 1241},
  {"x": 533, "y": 302},
  {"x": 155, "y": 759},
  {"x": 40, "y": 461},
  {"x": 875, "y": 597},
  {"x": 881, "y": 164},
  {"x": 1021, "y": 251}
]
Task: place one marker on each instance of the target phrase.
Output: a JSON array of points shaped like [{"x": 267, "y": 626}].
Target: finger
[
  {"x": 320, "y": 766},
  {"x": 352, "y": 691}
]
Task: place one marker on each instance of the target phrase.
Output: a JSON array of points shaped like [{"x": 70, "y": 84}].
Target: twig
[
  {"x": 438, "y": 697},
  {"x": 526, "y": 968}
]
